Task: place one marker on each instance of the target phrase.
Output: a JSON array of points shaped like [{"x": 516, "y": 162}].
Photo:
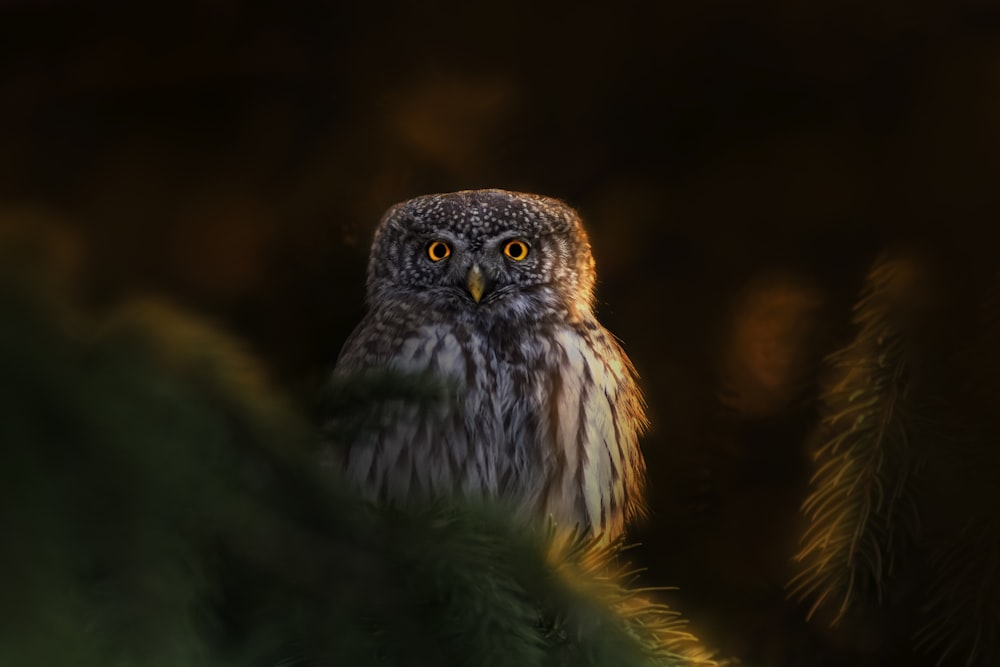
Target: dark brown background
[{"x": 739, "y": 166}]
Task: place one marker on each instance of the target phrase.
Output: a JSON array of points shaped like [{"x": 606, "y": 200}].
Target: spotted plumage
[{"x": 491, "y": 292}]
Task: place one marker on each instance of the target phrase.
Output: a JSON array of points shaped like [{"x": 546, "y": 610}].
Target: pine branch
[
  {"x": 963, "y": 597},
  {"x": 597, "y": 572},
  {"x": 861, "y": 505},
  {"x": 961, "y": 603}
]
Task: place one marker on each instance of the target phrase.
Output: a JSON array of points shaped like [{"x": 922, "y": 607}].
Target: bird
[{"x": 491, "y": 293}]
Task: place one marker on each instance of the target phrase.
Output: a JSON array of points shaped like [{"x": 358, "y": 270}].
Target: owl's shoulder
[
  {"x": 375, "y": 337},
  {"x": 403, "y": 339}
]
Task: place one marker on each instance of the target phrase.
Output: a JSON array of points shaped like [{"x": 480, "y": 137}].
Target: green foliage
[{"x": 160, "y": 505}]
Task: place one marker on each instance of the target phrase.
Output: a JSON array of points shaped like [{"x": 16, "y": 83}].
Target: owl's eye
[
  {"x": 516, "y": 250},
  {"x": 438, "y": 250}
]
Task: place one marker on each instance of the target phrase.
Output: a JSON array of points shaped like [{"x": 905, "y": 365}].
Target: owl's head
[{"x": 483, "y": 251}]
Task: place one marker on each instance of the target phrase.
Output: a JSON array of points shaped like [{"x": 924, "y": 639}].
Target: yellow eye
[
  {"x": 516, "y": 250},
  {"x": 438, "y": 250}
]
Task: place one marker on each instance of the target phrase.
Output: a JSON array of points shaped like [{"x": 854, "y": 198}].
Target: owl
[{"x": 492, "y": 293}]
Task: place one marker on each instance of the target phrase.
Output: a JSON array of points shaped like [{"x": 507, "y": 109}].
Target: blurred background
[{"x": 739, "y": 166}]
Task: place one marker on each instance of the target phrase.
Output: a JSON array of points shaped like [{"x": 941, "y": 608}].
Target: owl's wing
[
  {"x": 595, "y": 416},
  {"x": 371, "y": 343},
  {"x": 411, "y": 448}
]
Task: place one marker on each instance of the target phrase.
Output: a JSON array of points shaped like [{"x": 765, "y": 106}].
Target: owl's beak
[{"x": 476, "y": 282}]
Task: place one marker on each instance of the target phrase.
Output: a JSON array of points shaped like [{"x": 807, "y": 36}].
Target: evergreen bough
[{"x": 907, "y": 464}]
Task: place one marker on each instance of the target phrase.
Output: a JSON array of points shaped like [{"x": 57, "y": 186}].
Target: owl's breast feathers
[{"x": 547, "y": 416}]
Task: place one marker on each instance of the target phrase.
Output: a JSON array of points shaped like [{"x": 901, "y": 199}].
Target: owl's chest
[
  {"x": 501, "y": 382},
  {"x": 475, "y": 360}
]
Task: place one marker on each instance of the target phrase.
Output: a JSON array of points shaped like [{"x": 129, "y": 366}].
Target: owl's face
[{"x": 484, "y": 252}]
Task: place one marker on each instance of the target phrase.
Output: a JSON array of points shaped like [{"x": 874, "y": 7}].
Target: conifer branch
[
  {"x": 961, "y": 603},
  {"x": 596, "y": 571},
  {"x": 860, "y": 488},
  {"x": 963, "y": 597}
]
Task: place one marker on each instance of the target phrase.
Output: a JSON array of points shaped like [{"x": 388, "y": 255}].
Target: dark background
[{"x": 739, "y": 166}]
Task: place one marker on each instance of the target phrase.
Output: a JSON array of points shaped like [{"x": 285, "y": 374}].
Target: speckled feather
[{"x": 546, "y": 412}]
